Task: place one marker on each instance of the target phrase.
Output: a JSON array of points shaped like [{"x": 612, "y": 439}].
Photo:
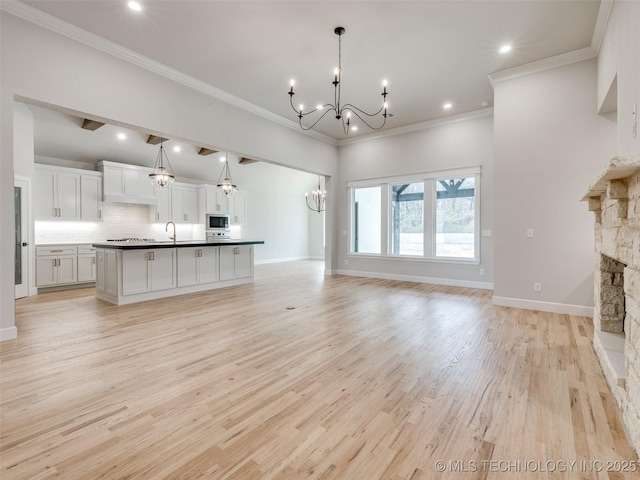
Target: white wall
[
  {"x": 44, "y": 67},
  {"x": 620, "y": 56},
  {"x": 455, "y": 145},
  {"x": 550, "y": 144}
]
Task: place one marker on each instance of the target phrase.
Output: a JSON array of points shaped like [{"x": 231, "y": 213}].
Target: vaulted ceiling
[{"x": 431, "y": 52}]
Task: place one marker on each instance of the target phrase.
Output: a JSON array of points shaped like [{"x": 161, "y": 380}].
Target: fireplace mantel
[{"x": 619, "y": 167}]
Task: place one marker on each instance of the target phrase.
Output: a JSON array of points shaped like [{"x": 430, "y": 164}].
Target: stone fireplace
[{"x": 615, "y": 198}]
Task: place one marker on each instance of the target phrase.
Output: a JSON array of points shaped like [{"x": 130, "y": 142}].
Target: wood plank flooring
[{"x": 361, "y": 379}]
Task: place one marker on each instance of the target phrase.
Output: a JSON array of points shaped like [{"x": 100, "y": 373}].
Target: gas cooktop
[{"x": 131, "y": 240}]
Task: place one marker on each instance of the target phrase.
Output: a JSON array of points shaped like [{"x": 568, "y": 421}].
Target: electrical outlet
[
  {"x": 537, "y": 287},
  {"x": 482, "y": 271},
  {"x": 530, "y": 232},
  {"x": 346, "y": 262}
]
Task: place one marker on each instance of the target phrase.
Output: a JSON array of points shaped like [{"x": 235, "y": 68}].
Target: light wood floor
[{"x": 363, "y": 379}]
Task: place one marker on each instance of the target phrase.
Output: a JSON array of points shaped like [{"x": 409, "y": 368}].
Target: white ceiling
[{"x": 431, "y": 52}]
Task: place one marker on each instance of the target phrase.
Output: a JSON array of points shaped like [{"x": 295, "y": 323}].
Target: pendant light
[
  {"x": 317, "y": 199},
  {"x": 162, "y": 176},
  {"x": 227, "y": 187},
  {"x": 339, "y": 110}
]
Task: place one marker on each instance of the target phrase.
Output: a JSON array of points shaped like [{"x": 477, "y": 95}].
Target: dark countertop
[{"x": 178, "y": 244}]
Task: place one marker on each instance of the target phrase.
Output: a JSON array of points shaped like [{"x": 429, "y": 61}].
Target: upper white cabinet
[
  {"x": 213, "y": 200},
  {"x": 57, "y": 193},
  {"x": 238, "y": 208},
  {"x": 91, "y": 196},
  {"x": 127, "y": 183},
  {"x": 67, "y": 194},
  {"x": 184, "y": 203},
  {"x": 162, "y": 213}
]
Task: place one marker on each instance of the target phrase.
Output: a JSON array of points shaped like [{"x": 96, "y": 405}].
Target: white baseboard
[
  {"x": 279, "y": 260},
  {"x": 451, "y": 282},
  {"x": 330, "y": 272},
  {"x": 564, "y": 308},
  {"x": 10, "y": 333}
]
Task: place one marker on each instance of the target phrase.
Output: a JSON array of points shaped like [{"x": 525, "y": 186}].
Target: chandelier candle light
[
  {"x": 161, "y": 176},
  {"x": 317, "y": 199},
  {"x": 227, "y": 187},
  {"x": 342, "y": 111}
]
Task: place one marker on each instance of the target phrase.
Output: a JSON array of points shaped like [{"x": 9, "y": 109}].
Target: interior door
[{"x": 21, "y": 236}]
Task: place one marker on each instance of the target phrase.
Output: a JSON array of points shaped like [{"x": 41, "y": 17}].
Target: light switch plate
[
  {"x": 486, "y": 233},
  {"x": 530, "y": 232}
]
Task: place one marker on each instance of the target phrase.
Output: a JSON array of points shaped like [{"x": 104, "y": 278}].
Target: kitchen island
[{"x": 130, "y": 272}]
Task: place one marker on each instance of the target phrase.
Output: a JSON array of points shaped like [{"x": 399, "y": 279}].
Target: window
[
  {"x": 366, "y": 220},
  {"x": 407, "y": 219},
  {"x": 455, "y": 217},
  {"x": 430, "y": 216}
]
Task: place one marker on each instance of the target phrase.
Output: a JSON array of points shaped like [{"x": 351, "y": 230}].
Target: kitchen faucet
[{"x": 166, "y": 229}]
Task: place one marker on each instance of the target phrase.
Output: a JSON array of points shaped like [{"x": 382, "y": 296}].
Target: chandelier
[
  {"x": 161, "y": 176},
  {"x": 226, "y": 186},
  {"x": 317, "y": 199},
  {"x": 342, "y": 112}
]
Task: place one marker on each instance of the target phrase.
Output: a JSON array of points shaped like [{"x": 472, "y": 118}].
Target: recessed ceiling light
[
  {"x": 505, "y": 48},
  {"x": 354, "y": 128},
  {"x": 135, "y": 6},
  {"x": 122, "y": 136},
  {"x": 447, "y": 106},
  {"x": 319, "y": 107},
  {"x": 177, "y": 148}
]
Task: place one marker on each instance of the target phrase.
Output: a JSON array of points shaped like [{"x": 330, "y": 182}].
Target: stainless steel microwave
[{"x": 217, "y": 222}]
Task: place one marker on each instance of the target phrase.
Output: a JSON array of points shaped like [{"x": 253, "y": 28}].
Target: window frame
[{"x": 429, "y": 222}]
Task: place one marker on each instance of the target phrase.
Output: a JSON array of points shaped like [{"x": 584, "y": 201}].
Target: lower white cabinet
[
  {"x": 148, "y": 270},
  {"x": 107, "y": 271},
  {"x": 197, "y": 266},
  {"x": 236, "y": 262},
  {"x": 65, "y": 265},
  {"x": 86, "y": 264}
]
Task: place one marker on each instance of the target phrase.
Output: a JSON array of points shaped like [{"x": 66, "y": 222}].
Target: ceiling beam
[
  {"x": 246, "y": 161},
  {"x": 155, "y": 140},
  {"x": 206, "y": 151},
  {"x": 91, "y": 124}
]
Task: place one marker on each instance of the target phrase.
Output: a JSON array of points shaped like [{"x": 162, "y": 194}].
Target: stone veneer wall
[{"x": 617, "y": 237}]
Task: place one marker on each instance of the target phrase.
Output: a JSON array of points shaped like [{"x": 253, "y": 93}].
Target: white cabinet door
[
  {"x": 239, "y": 211},
  {"x": 208, "y": 265},
  {"x": 163, "y": 269},
  {"x": 68, "y": 196},
  {"x": 100, "y": 269},
  {"x": 177, "y": 204},
  {"x": 191, "y": 205},
  {"x": 227, "y": 263},
  {"x": 46, "y": 271},
  {"x": 91, "y": 197},
  {"x": 113, "y": 180},
  {"x": 67, "y": 270},
  {"x": 163, "y": 208},
  {"x": 45, "y": 195},
  {"x": 188, "y": 260},
  {"x": 111, "y": 272},
  {"x": 135, "y": 271},
  {"x": 86, "y": 267},
  {"x": 236, "y": 262}
]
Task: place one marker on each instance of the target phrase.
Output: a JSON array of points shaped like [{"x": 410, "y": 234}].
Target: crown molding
[
  {"x": 49, "y": 22},
  {"x": 461, "y": 117},
  {"x": 545, "y": 64},
  {"x": 601, "y": 24}
]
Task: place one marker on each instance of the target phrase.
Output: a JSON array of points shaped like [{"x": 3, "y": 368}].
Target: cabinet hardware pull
[
  {"x": 157, "y": 215},
  {"x": 99, "y": 213},
  {"x": 56, "y": 251}
]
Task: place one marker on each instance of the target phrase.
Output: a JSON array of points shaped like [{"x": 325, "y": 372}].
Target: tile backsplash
[{"x": 119, "y": 221}]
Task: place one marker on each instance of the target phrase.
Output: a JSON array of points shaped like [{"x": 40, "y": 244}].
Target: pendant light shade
[
  {"x": 162, "y": 175},
  {"x": 226, "y": 186}
]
